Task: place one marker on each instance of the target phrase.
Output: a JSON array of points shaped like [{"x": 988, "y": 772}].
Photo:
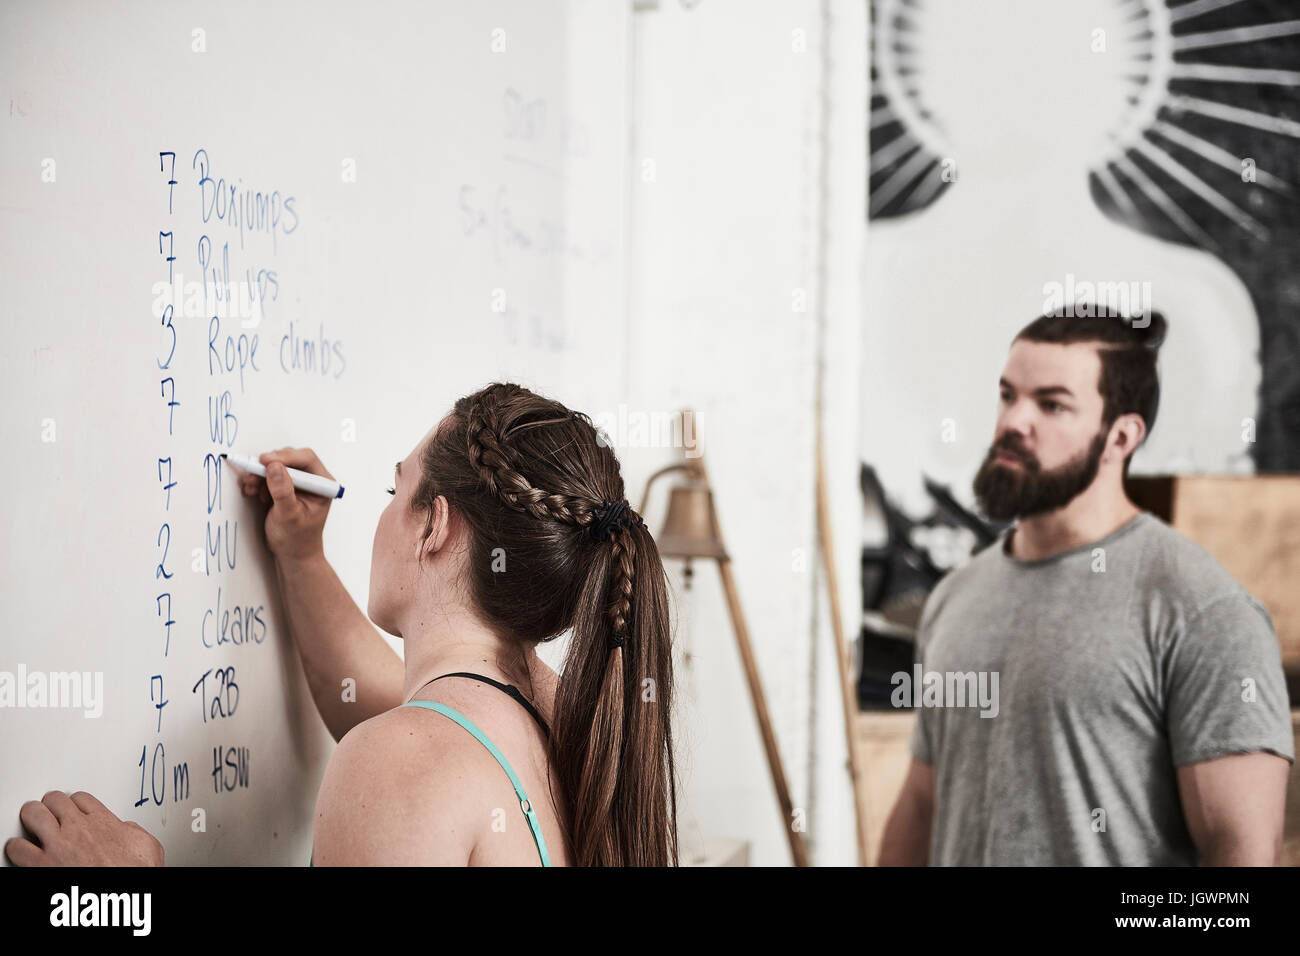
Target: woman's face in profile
[{"x": 394, "y": 568}]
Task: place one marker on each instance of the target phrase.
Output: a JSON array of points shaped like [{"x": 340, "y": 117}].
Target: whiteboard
[{"x": 413, "y": 200}]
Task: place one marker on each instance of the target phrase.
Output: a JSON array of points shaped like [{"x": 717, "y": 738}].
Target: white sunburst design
[
  {"x": 1148, "y": 133},
  {"x": 920, "y": 142},
  {"x": 919, "y": 131},
  {"x": 1093, "y": 143},
  {"x": 1150, "y": 57}
]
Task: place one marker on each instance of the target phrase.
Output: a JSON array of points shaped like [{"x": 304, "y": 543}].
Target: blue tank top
[{"x": 524, "y": 804}]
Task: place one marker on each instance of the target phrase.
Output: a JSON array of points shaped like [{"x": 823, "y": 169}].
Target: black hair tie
[{"x": 613, "y": 515}]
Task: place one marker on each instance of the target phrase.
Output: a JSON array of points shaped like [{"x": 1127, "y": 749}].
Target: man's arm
[
  {"x": 78, "y": 830},
  {"x": 906, "y": 841},
  {"x": 1235, "y": 807},
  {"x": 1230, "y": 732}
]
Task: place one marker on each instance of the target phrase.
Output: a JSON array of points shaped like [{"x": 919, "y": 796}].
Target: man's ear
[{"x": 1126, "y": 435}]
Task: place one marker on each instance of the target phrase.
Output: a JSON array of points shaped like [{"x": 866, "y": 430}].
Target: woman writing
[{"x": 508, "y": 527}]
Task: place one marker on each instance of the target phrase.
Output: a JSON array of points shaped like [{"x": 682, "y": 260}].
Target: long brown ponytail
[{"x": 532, "y": 481}]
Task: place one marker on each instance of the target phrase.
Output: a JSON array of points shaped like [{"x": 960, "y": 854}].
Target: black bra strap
[{"x": 509, "y": 689}]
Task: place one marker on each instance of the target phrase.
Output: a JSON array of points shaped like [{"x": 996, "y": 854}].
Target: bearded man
[{"x": 1143, "y": 717}]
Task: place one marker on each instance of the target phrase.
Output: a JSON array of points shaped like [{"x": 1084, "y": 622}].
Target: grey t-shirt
[{"x": 1116, "y": 663}]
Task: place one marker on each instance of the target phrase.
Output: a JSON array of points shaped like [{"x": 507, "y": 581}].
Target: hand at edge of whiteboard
[{"x": 78, "y": 830}]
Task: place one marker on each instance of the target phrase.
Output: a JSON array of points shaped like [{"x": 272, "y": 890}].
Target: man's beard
[{"x": 1004, "y": 491}]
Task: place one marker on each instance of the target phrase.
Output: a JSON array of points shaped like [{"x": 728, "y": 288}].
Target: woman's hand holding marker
[{"x": 295, "y": 523}]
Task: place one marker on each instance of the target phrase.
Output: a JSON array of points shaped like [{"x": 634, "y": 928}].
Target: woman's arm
[{"x": 337, "y": 642}]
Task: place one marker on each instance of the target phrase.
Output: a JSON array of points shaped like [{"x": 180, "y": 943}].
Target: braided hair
[
  {"x": 554, "y": 547},
  {"x": 491, "y": 457}
]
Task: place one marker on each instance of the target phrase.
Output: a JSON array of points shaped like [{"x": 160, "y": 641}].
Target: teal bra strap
[{"x": 524, "y": 802}]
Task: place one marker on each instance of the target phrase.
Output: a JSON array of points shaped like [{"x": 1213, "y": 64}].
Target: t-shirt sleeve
[{"x": 1226, "y": 692}]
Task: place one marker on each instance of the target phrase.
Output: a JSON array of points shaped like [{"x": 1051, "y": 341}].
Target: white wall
[
  {"x": 456, "y": 196},
  {"x": 727, "y": 247},
  {"x": 723, "y": 282},
  {"x": 834, "y": 838}
]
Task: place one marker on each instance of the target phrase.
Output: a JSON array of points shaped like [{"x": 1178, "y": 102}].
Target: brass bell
[{"x": 691, "y": 528}]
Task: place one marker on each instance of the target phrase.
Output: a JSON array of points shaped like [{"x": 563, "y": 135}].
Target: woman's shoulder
[
  {"x": 397, "y": 790},
  {"x": 421, "y": 752}
]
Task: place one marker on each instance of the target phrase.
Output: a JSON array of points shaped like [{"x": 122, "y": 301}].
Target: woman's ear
[{"x": 440, "y": 530}]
